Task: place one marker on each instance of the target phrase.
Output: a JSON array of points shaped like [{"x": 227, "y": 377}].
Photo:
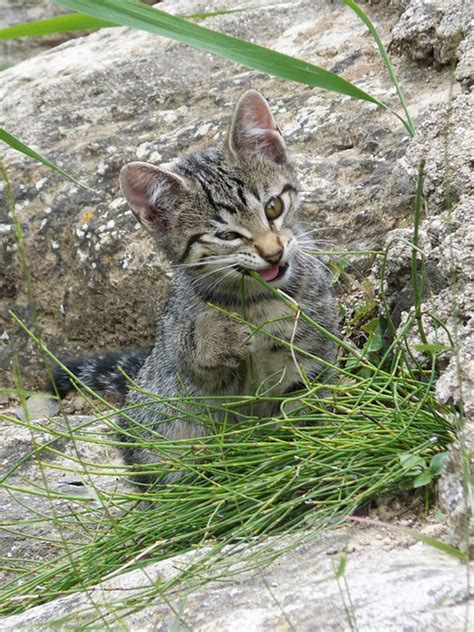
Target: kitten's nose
[
  {"x": 269, "y": 247},
  {"x": 273, "y": 257}
]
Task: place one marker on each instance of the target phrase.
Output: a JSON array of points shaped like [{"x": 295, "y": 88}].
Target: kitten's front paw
[{"x": 221, "y": 341}]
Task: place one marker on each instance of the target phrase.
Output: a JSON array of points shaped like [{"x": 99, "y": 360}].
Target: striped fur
[{"x": 106, "y": 373}]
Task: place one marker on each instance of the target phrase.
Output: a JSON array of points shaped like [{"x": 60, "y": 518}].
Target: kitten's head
[{"x": 225, "y": 210}]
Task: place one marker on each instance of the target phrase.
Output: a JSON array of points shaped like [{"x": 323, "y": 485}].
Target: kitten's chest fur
[{"x": 270, "y": 366}]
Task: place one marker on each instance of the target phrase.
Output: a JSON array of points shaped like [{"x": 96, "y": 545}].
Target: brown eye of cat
[
  {"x": 228, "y": 235},
  {"x": 274, "y": 207}
]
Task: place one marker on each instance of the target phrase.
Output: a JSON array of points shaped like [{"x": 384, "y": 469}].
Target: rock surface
[
  {"x": 444, "y": 140},
  {"x": 97, "y": 102},
  {"x": 386, "y": 586},
  {"x": 432, "y": 31},
  {"x": 18, "y": 11},
  {"x": 35, "y": 526}
]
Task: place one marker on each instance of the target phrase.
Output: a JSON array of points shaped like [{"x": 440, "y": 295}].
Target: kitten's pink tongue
[{"x": 268, "y": 274}]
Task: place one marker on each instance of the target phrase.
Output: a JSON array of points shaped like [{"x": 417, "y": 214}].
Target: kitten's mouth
[{"x": 272, "y": 273}]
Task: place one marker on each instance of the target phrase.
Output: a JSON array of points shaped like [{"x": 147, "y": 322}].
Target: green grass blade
[
  {"x": 373, "y": 31},
  {"x": 432, "y": 348},
  {"x": 212, "y": 14},
  {"x": 31, "y": 153},
  {"x": 78, "y": 22},
  {"x": 136, "y": 15},
  {"x": 58, "y": 24}
]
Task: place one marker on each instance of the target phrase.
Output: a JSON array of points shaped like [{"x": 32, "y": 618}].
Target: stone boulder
[
  {"x": 389, "y": 584},
  {"x": 96, "y": 280},
  {"x": 431, "y": 32}
]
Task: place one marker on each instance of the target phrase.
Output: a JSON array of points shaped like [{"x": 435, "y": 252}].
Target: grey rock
[
  {"x": 386, "y": 586},
  {"x": 431, "y": 32},
  {"x": 39, "y": 405},
  {"x": 19, "y": 11},
  {"x": 464, "y": 72}
]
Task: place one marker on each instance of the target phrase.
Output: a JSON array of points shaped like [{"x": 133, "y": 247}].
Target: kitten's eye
[
  {"x": 228, "y": 235},
  {"x": 274, "y": 207}
]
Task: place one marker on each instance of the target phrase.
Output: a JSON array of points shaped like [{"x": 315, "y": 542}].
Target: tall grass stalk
[
  {"x": 18, "y": 145},
  {"x": 72, "y": 22}
]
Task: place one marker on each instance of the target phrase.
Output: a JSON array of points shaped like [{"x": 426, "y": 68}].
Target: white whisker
[
  {"x": 214, "y": 271},
  {"x": 219, "y": 280},
  {"x": 314, "y": 242},
  {"x": 306, "y": 232},
  {"x": 321, "y": 228},
  {"x": 209, "y": 260},
  {"x": 313, "y": 260}
]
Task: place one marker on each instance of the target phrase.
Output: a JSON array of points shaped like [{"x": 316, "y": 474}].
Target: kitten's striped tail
[{"x": 103, "y": 373}]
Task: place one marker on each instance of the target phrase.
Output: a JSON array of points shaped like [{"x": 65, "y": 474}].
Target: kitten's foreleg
[
  {"x": 220, "y": 341},
  {"x": 213, "y": 347}
]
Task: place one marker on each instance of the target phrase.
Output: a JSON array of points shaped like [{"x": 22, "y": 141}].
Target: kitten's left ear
[{"x": 253, "y": 129}]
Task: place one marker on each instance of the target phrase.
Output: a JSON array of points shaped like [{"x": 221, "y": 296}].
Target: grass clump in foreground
[{"x": 300, "y": 473}]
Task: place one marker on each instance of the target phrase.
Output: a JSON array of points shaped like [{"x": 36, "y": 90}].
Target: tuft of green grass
[
  {"x": 378, "y": 428},
  {"x": 301, "y": 472}
]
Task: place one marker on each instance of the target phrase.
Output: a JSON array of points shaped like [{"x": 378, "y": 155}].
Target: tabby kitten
[{"x": 219, "y": 214}]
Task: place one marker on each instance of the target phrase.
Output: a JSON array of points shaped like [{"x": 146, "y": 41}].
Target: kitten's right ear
[{"x": 151, "y": 192}]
